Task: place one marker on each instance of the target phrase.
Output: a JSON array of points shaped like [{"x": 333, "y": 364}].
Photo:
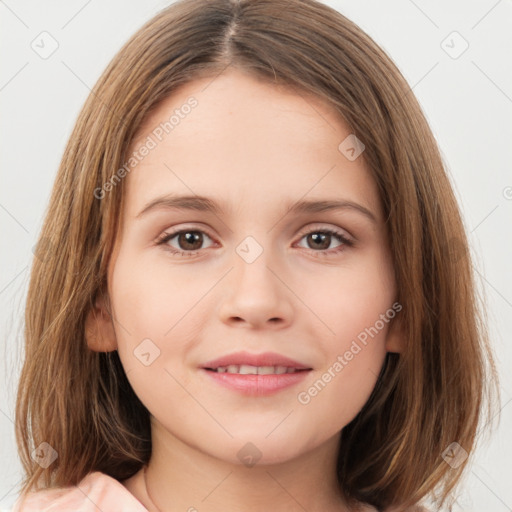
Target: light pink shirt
[{"x": 97, "y": 492}]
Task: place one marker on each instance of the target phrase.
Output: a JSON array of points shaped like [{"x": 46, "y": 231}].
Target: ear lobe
[
  {"x": 394, "y": 337},
  {"x": 99, "y": 328}
]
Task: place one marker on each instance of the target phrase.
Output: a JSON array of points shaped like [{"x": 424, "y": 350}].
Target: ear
[
  {"x": 99, "y": 327},
  {"x": 395, "y": 336}
]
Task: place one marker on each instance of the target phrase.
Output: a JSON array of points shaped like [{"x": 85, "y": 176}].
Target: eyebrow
[{"x": 206, "y": 204}]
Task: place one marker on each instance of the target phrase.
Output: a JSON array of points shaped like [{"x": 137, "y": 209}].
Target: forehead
[{"x": 248, "y": 142}]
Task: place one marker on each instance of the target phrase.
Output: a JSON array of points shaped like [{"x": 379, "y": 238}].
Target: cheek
[
  {"x": 151, "y": 301},
  {"x": 355, "y": 306},
  {"x": 160, "y": 314},
  {"x": 150, "y": 317},
  {"x": 350, "y": 299},
  {"x": 146, "y": 308},
  {"x": 339, "y": 391}
]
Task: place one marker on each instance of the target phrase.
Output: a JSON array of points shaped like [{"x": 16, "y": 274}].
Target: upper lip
[{"x": 262, "y": 359}]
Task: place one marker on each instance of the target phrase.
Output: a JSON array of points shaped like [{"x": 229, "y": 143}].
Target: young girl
[{"x": 252, "y": 289}]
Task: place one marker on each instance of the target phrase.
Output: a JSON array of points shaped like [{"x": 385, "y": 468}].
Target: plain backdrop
[{"x": 466, "y": 94}]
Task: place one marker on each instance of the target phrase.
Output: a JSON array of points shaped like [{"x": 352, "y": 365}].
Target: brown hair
[{"x": 80, "y": 402}]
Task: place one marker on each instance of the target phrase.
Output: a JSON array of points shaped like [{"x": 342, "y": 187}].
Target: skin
[{"x": 253, "y": 148}]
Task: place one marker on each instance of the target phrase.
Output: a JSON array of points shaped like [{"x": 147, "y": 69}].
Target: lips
[
  {"x": 246, "y": 361},
  {"x": 255, "y": 374}
]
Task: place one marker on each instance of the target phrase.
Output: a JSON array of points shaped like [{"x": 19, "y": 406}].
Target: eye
[
  {"x": 321, "y": 239},
  {"x": 189, "y": 241}
]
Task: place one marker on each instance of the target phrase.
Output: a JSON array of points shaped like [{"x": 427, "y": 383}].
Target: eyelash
[{"x": 165, "y": 237}]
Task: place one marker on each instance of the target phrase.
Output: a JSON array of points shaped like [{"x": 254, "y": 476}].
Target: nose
[{"x": 255, "y": 295}]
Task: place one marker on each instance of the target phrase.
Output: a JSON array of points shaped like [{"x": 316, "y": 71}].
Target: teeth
[
  {"x": 265, "y": 370},
  {"x": 245, "y": 369}
]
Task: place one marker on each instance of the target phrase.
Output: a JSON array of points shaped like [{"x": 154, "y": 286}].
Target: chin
[{"x": 254, "y": 448}]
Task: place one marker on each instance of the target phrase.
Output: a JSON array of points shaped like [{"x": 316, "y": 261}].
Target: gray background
[{"x": 467, "y": 100}]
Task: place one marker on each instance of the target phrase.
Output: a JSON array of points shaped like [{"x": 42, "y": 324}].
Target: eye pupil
[
  {"x": 320, "y": 238},
  {"x": 189, "y": 237}
]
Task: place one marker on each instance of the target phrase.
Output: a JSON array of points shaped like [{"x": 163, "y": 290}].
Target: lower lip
[{"x": 257, "y": 385}]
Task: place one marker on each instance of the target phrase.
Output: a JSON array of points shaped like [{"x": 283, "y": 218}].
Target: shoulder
[
  {"x": 97, "y": 491},
  {"x": 416, "y": 508}
]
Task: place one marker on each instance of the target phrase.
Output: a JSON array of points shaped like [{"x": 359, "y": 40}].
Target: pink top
[{"x": 97, "y": 492}]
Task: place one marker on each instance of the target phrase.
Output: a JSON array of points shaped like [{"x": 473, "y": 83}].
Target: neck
[{"x": 180, "y": 477}]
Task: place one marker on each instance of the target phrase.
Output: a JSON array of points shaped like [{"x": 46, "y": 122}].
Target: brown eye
[
  {"x": 320, "y": 240},
  {"x": 185, "y": 242},
  {"x": 190, "y": 240}
]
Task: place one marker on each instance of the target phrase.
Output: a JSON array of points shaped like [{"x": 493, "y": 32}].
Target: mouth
[
  {"x": 256, "y": 374},
  {"x": 247, "y": 363},
  {"x": 245, "y": 369}
]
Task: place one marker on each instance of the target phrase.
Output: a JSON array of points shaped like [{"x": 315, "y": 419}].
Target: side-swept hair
[{"x": 426, "y": 398}]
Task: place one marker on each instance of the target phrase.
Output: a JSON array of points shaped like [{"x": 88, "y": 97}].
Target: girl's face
[{"x": 243, "y": 273}]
